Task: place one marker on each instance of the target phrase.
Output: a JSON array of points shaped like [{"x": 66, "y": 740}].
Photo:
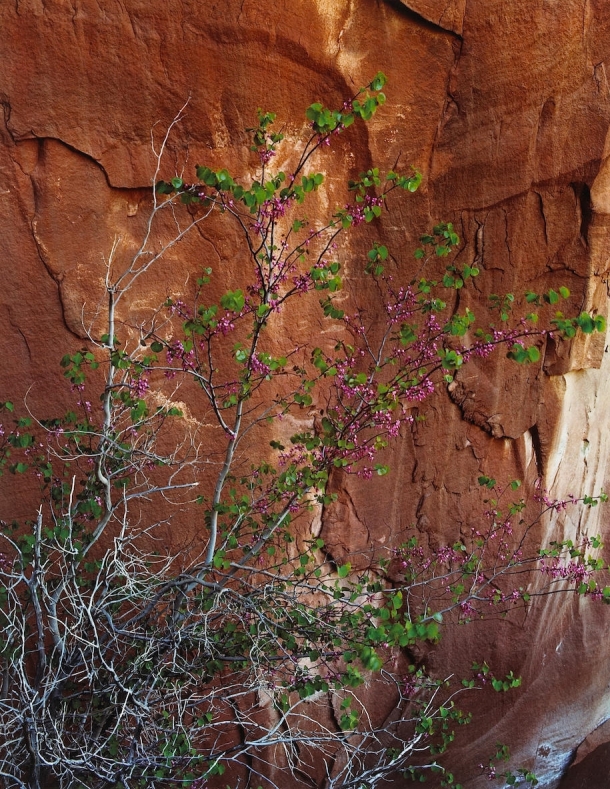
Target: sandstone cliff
[{"x": 505, "y": 108}]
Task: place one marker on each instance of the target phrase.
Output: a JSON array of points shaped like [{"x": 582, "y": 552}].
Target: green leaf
[
  {"x": 378, "y": 81},
  {"x": 522, "y": 355},
  {"x": 163, "y": 188},
  {"x": 552, "y": 296},
  {"x": 344, "y": 570},
  {"x": 233, "y": 301},
  {"x": 412, "y": 184},
  {"x": 533, "y": 353},
  {"x": 585, "y": 322},
  {"x": 312, "y": 112}
]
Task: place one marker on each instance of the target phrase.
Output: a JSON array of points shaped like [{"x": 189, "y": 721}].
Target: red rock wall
[{"x": 504, "y": 105}]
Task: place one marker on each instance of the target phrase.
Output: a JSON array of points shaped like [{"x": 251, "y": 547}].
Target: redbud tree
[{"x": 128, "y": 664}]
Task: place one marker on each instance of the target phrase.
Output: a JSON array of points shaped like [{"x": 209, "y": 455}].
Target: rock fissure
[{"x": 416, "y": 12}]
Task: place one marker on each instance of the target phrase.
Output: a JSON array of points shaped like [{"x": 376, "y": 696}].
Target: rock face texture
[{"x": 505, "y": 108}]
